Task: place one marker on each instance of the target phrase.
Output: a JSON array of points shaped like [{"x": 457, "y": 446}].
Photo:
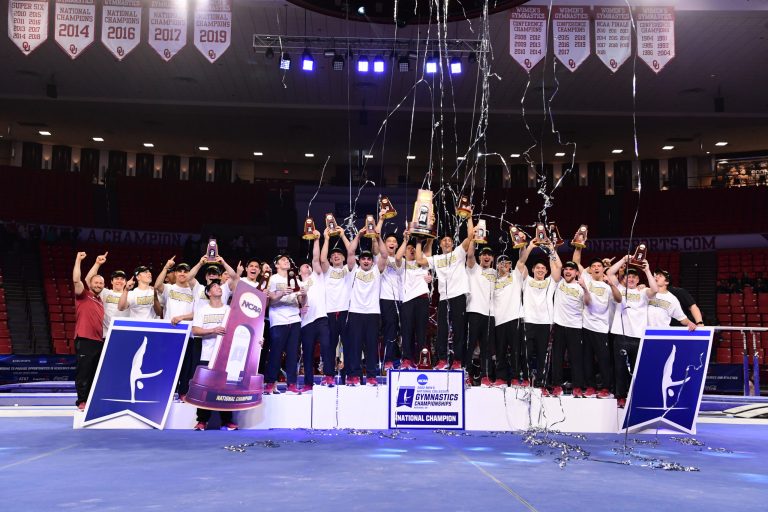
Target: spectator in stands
[
  {"x": 746, "y": 281},
  {"x": 735, "y": 283},
  {"x": 89, "y": 328},
  {"x": 723, "y": 286},
  {"x": 110, "y": 297}
]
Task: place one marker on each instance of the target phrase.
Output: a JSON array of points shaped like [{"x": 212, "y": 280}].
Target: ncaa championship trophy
[{"x": 422, "y": 224}]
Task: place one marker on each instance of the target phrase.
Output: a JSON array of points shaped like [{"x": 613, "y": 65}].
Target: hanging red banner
[
  {"x": 528, "y": 35},
  {"x": 213, "y": 27},
  {"x": 121, "y": 26},
  {"x": 613, "y": 35},
  {"x": 28, "y": 24},
  {"x": 655, "y": 35},
  {"x": 167, "y": 27},
  {"x": 570, "y": 35},
  {"x": 74, "y": 25}
]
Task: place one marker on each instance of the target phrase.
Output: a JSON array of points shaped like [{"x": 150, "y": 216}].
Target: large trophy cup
[
  {"x": 425, "y": 362},
  {"x": 541, "y": 237},
  {"x": 464, "y": 210},
  {"x": 212, "y": 253},
  {"x": 519, "y": 238},
  {"x": 263, "y": 280},
  {"x": 386, "y": 208},
  {"x": 422, "y": 224},
  {"x": 370, "y": 227},
  {"x": 309, "y": 230},
  {"x": 481, "y": 233},
  {"x": 554, "y": 235},
  {"x": 639, "y": 258},
  {"x": 580, "y": 238},
  {"x": 331, "y": 224}
]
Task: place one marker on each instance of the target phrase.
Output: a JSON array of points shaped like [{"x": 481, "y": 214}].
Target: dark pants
[
  {"x": 624, "y": 356},
  {"x": 361, "y": 334},
  {"x": 414, "y": 315},
  {"x": 451, "y": 312},
  {"x": 317, "y": 331},
  {"x": 508, "y": 350},
  {"x": 596, "y": 347},
  {"x": 536, "y": 342},
  {"x": 481, "y": 331},
  {"x": 188, "y": 364},
  {"x": 284, "y": 338},
  {"x": 390, "y": 326},
  {"x": 337, "y": 324},
  {"x": 88, "y": 355},
  {"x": 567, "y": 338},
  {"x": 264, "y": 349},
  {"x": 204, "y": 415}
]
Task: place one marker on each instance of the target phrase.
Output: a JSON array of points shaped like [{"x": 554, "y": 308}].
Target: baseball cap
[
  {"x": 117, "y": 273},
  {"x": 486, "y": 250},
  {"x": 213, "y": 269},
  {"x": 571, "y": 264},
  {"x": 338, "y": 250},
  {"x": 141, "y": 268},
  {"x": 665, "y": 273},
  {"x": 182, "y": 266},
  {"x": 366, "y": 254},
  {"x": 503, "y": 258},
  {"x": 633, "y": 271}
]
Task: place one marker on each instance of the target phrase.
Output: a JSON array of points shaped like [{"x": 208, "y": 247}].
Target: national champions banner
[
  {"x": 668, "y": 380},
  {"x": 426, "y": 399},
  {"x": 138, "y": 371}
]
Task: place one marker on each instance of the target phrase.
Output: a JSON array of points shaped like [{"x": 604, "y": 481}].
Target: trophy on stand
[
  {"x": 554, "y": 235},
  {"x": 422, "y": 224},
  {"x": 330, "y": 223},
  {"x": 640, "y": 257},
  {"x": 464, "y": 210},
  {"x": 213, "y": 250},
  {"x": 386, "y": 208},
  {"x": 309, "y": 230},
  {"x": 263, "y": 284},
  {"x": 481, "y": 233},
  {"x": 580, "y": 238},
  {"x": 370, "y": 227},
  {"x": 424, "y": 360},
  {"x": 519, "y": 238},
  {"x": 231, "y": 380},
  {"x": 542, "y": 238},
  {"x": 293, "y": 280}
]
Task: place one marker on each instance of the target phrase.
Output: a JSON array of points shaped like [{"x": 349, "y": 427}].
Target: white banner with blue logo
[
  {"x": 138, "y": 371},
  {"x": 426, "y": 399},
  {"x": 668, "y": 381}
]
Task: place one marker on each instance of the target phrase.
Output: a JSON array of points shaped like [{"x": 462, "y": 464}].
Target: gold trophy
[
  {"x": 386, "y": 208},
  {"x": 309, "y": 230},
  {"x": 580, "y": 238},
  {"x": 330, "y": 223},
  {"x": 541, "y": 235},
  {"x": 481, "y": 233},
  {"x": 640, "y": 257},
  {"x": 263, "y": 280},
  {"x": 554, "y": 235},
  {"x": 292, "y": 280},
  {"x": 464, "y": 210},
  {"x": 370, "y": 227},
  {"x": 519, "y": 239},
  {"x": 421, "y": 223},
  {"x": 213, "y": 250},
  {"x": 424, "y": 360}
]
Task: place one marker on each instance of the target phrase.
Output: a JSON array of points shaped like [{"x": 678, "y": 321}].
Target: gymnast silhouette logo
[
  {"x": 670, "y": 388},
  {"x": 405, "y": 396},
  {"x": 136, "y": 372}
]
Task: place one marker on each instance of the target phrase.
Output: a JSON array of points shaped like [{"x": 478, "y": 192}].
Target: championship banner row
[
  {"x": 121, "y": 25},
  {"x": 572, "y": 37}
]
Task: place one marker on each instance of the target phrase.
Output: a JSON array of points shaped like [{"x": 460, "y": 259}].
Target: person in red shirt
[{"x": 89, "y": 327}]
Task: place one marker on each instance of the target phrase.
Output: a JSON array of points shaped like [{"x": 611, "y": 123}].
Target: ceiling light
[
  {"x": 203, "y": 148},
  {"x": 361, "y": 10},
  {"x": 258, "y": 153},
  {"x": 148, "y": 145},
  {"x": 515, "y": 155},
  {"x": 403, "y": 64},
  {"x": 362, "y": 64},
  {"x": 461, "y": 158},
  {"x": 98, "y": 139},
  {"x": 455, "y": 66},
  {"x": 44, "y": 132},
  {"x": 309, "y": 155},
  {"x": 431, "y": 65},
  {"x": 368, "y": 156},
  {"x": 560, "y": 154},
  {"x": 329, "y": 53},
  {"x": 307, "y": 62},
  {"x": 617, "y": 151},
  {"x": 668, "y": 148},
  {"x": 285, "y": 62},
  {"x": 721, "y": 143},
  {"x": 378, "y": 64},
  {"x": 338, "y": 63},
  {"x": 411, "y": 157}
]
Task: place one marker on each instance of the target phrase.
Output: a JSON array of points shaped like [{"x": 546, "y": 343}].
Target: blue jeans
[
  {"x": 285, "y": 338},
  {"x": 317, "y": 331}
]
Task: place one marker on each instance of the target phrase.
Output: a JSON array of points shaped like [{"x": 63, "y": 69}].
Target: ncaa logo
[
  {"x": 422, "y": 379},
  {"x": 250, "y": 305}
]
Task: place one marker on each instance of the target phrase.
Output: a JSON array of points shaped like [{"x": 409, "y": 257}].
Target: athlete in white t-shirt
[
  {"x": 314, "y": 321},
  {"x": 629, "y": 321},
  {"x": 482, "y": 286},
  {"x": 333, "y": 260},
  {"x": 364, "y": 310},
  {"x": 414, "y": 313},
  {"x": 391, "y": 294},
  {"x": 597, "y": 321},
  {"x": 665, "y": 306},
  {"x": 453, "y": 286},
  {"x": 507, "y": 314},
  {"x": 140, "y": 301}
]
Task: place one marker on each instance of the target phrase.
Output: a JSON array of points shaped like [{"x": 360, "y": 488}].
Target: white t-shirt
[
  {"x": 141, "y": 304},
  {"x": 110, "y": 298},
  {"x": 178, "y": 301},
  {"x": 631, "y": 316},
  {"x": 284, "y": 311},
  {"x": 482, "y": 282},
  {"x": 201, "y": 300},
  {"x": 597, "y": 315},
  {"x": 451, "y": 273},
  {"x": 569, "y": 304},
  {"x": 315, "y": 299},
  {"x": 413, "y": 280},
  {"x": 208, "y": 317},
  {"x": 390, "y": 280},
  {"x": 337, "y": 289},
  {"x": 365, "y": 290},
  {"x": 507, "y": 299},
  {"x": 537, "y": 300},
  {"x": 663, "y": 308}
]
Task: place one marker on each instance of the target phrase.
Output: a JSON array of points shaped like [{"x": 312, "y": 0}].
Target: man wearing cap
[
  {"x": 482, "y": 283},
  {"x": 109, "y": 297},
  {"x": 508, "y": 313},
  {"x": 140, "y": 300},
  {"x": 664, "y": 306},
  {"x": 89, "y": 328},
  {"x": 314, "y": 321},
  {"x": 571, "y": 296},
  {"x": 364, "y": 312},
  {"x": 336, "y": 292},
  {"x": 284, "y": 327},
  {"x": 538, "y": 311},
  {"x": 596, "y": 320},
  {"x": 391, "y": 295},
  {"x": 453, "y": 287},
  {"x": 629, "y": 321},
  {"x": 414, "y": 313}
]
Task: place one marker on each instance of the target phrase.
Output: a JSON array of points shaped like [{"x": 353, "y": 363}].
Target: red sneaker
[
  {"x": 589, "y": 393},
  {"x": 306, "y": 388},
  {"x": 456, "y": 365},
  {"x": 329, "y": 381},
  {"x": 577, "y": 393},
  {"x": 389, "y": 365},
  {"x": 515, "y": 382},
  {"x": 621, "y": 403},
  {"x": 498, "y": 383},
  {"x": 200, "y": 425},
  {"x": 81, "y": 406},
  {"x": 485, "y": 382},
  {"x": 371, "y": 381},
  {"x": 526, "y": 383},
  {"x": 406, "y": 364},
  {"x": 291, "y": 389},
  {"x": 604, "y": 393},
  {"x": 468, "y": 382},
  {"x": 270, "y": 389},
  {"x": 442, "y": 364},
  {"x": 545, "y": 392},
  {"x": 558, "y": 391},
  {"x": 229, "y": 426},
  {"x": 353, "y": 381}
]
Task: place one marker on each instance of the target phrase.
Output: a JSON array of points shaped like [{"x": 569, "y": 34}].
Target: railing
[{"x": 755, "y": 355}]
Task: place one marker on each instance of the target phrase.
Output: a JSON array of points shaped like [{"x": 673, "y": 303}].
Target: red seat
[
  {"x": 56, "y": 317},
  {"x": 723, "y": 355},
  {"x": 71, "y": 318},
  {"x": 738, "y": 320}
]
